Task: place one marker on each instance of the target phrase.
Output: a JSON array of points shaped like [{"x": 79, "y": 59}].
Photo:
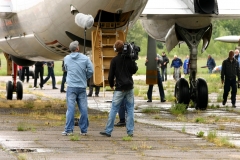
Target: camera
[{"x": 131, "y": 50}]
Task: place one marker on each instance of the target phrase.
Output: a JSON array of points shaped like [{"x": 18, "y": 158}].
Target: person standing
[
  {"x": 38, "y": 73},
  {"x": 176, "y": 64},
  {"x": 20, "y": 72},
  {"x": 79, "y": 68},
  {"x": 236, "y": 56},
  {"x": 229, "y": 72},
  {"x": 50, "y": 74},
  {"x": 164, "y": 63},
  {"x": 185, "y": 65},
  {"x": 210, "y": 63},
  {"x": 122, "y": 67},
  {"x": 97, "y": 89},
  {"x": 159, "y": 80},
  {"x": 25, "y": 71},
  {"x": 63, "y": 78}
]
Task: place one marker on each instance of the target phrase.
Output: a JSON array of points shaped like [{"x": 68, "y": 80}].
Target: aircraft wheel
[
  {"x": 9, "y": 89},
  {"x": 19, "y": 90},
  {"x": 181, "y": 93},
  {"x": 201, "y": 95}
]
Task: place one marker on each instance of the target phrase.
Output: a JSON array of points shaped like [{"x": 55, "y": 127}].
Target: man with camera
[{"x": 122, "y": 67}]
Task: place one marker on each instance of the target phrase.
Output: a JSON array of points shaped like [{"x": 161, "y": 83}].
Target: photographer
[{"x": 122, "y": 67}]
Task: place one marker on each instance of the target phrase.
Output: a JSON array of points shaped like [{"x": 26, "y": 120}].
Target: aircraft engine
[
  {"x": 202, "y": 6},
  {"x": 206, "y": 6},
  {"x": 22, "y": 62}
]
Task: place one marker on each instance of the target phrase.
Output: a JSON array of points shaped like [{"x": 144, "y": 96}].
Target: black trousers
[
  {"x": 25, "y": 71},
  {"x": 38, "y": 73}
]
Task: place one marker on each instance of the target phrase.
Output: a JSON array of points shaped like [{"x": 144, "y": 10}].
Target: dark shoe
[
  {"x": 55, "y": 88},
  {"x": 224, "y": 102},
  {"x": 233, "y": 106},
  {"x": 63, "y": 91},
  {"x": 164, "y": 100},
  {"x": 130, "y": 135},
  {"x": 89, "y": 95},
  {"x": 120, "y": 124},
  {"x": 149, "y": 100},
  {"x": 96, "y": 95},
  {"x": 105, "y": 134}
]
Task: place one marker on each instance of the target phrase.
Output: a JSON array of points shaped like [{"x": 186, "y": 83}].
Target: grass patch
[
  {"x": 141, "y": 146},
  {"x": 184, "y": 129},
  {"x": 151, "y": 110},
  {"x": 177, "y": 109},
  {"x": 22, "y": 157},
  {"x": 25, "y": 127},
  {"x": 212, "y": 135},
  {"x": 74, "y": 138},
  {"x": 200, "y": 134},
  {"x": 127, "y": 138},
  {"x": 199, "y": 120}
]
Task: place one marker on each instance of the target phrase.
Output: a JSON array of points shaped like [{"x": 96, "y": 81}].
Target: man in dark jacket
[
  {"x": 50, "y": 74},
  {"x": 122, "y": 68},
  {"x": 164, "y": 63},
  {"x": 230, "y": 69}
]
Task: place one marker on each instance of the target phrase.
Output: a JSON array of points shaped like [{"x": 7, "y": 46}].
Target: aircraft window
[
  {"x": 64, "y": 49},
  {"x": 52, "y": 46},
  {"x": 59, "y": 46}
]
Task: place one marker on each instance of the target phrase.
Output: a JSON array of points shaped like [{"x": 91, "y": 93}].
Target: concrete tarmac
[{"x": 153, "y": 139}]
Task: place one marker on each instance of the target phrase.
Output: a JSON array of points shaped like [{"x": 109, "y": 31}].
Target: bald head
[{"x": 236, "y": 52}]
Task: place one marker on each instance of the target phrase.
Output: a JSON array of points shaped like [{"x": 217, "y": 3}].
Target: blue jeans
[
  {"x": 118, "y": 98},
  {"x": 227, "y": 84},
  {"x": 76, "y": 94},
  {"x": 164, "y": 73},
  {"x": 160, "y": 87}
]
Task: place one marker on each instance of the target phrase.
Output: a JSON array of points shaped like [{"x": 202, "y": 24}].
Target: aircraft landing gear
[
  {"x": 182, "y": 93},
  {"x": 14, "y": 86},
  {"x": 198, "y": 91}
]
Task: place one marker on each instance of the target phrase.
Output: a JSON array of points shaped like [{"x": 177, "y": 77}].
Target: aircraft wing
[{"x": 160, "y": 17}]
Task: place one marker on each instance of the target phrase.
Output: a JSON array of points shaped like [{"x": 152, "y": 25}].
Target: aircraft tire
[
  {"x": 181, "y": 93},
  {"x": 19, "y": 91},
  {"x": 9, "y": 89},
  {"x": 201, "y": 95}
]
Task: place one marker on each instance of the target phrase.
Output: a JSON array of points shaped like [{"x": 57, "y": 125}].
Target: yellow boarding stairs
[{"x": 103, "y": 52}]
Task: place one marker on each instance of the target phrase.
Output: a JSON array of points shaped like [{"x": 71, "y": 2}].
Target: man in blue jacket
[
  {"x": 210, "y": 63},
  {"x": 79, "y": 68},
  {"x": 177, "y": 64}
]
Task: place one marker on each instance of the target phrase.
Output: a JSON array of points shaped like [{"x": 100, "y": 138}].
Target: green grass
[
  {"x": 200, "y": 134},
  {"x": 177, "y": 109}
]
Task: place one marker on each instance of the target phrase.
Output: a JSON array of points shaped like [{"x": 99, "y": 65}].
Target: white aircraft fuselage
[{"x": 37, "y": 30}]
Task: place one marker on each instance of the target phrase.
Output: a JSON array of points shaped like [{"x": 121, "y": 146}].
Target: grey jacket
[{"x": 230, "y": 69}]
